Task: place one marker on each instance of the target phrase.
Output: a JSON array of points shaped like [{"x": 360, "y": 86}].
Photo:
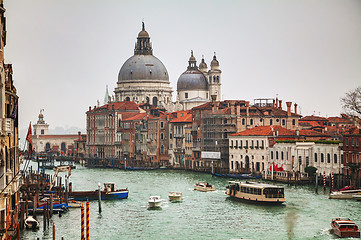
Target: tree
[{"x": 351, "y": 102}]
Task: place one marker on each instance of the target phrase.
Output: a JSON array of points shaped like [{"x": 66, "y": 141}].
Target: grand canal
[{"x": 201, "y": 215}]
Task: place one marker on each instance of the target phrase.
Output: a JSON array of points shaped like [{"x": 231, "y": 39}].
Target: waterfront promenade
[{"x": 210, "y": 215}]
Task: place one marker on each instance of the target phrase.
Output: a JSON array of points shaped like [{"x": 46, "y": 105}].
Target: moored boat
[
  {"x": 344, "y": 194},
  {"x": 108, "y": 193},
  {"x": 256, "y": 192},
  {"x": 357, "y": 197},
  {"x": 175, "y": 196},
  {"x": 154, "y": 201},
  {"x": 31, "y": 223},
  {"x": 204, "y": 187},
  {"x": 344, "y": 227}
]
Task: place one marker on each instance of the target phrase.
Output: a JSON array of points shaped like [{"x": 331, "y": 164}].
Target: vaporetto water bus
[{"x": 256, "y": 192}]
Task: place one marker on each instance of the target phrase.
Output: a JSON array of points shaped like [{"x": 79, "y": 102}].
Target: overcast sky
[{"x": 64, "y": 53}]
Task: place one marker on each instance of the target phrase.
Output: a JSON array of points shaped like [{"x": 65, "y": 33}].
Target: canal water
[{"x": 201, "y": 215}]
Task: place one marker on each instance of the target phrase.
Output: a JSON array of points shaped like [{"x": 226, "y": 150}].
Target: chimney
[
  {"x": 247, "y": 108},
  {"x": 233, "y": 108},
  {"x": 297, "y": 132},
  {"x": 280, "y": 104},
  {"x": 90, "y": 108},
  {"x": 276, "y": 103},
  {"x": 289, "y": 104},
  {"x": 238, "y": 110},
  {"x": 295, "y": 108}
]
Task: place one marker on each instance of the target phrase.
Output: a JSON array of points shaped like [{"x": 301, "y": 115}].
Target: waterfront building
[
  {"x": 102, "y": 124},
  {"x": 10, "y": 177},
  {"x": 196, "y": 85},
  {"x": 143, "y": 78},
  {"x": 214, "y": 121},
  {"x": 352, "y": 155},
  {"x": 325, "y": 156},
  {"x": 249, "y": 149},
  {"x": 80, "y": 146},
  {"x": 62, "y": 144},
  {"x": 178, "y": 138}
]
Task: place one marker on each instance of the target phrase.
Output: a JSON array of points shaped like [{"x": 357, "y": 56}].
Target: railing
[{"x": 179, "y": 135}]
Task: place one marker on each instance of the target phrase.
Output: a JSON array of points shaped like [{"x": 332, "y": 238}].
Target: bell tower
[
  {"x": 41, "y": 127},
  {"x": 214, "y": 79}
]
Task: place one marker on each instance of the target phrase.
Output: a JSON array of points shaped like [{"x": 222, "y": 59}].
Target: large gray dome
[
  {"x": 143, "y": 67},
  {"x": 192, "y": 80}
]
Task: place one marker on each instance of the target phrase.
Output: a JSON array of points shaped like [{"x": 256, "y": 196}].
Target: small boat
[
  {"x": 344, "y": 227},
  {"x": 108, "y": 193},
  {"x": 204, "y": 187},
  {"x": 344, "y": 194},
  {"x": 357, "y": 197},
  {"x": 74, "y": 204},
  {"x": 32, "y": 223},
  {"x": 154, "y": 201},
  {"x": 175, "y": 196},
  {"x": 256, "y": 192}
]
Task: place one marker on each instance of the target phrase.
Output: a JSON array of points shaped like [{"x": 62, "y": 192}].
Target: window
[
  {"x": 232, "y": 143},
  {"x": 293, "y": 122},
  {"x": 42, "y": 131},
  {"x": 277, "y": 155},
  {"x": 283, "y": 122},
  {"x": 270, "y": 122},
  {"x": 186, "y": 95},
  {"x": 346, "y": 142},
  {"x": 282, "y": 155},
  {"x": 243, "y": 121},
  {"x": 328, "y": 158},
  {"x": 236, "y": 143},
  {"x": 335, "y": 158},
  {"x": 251, "y": 122},
  {"x": 240, "y": 143},
  {"x": 271, "y": 154},
  {"x": 356, "y": 142},
  {"x": 322, "y": 158},
  {"x": 162, "y": 149},
  {"x": 353, "y": 142},
  {"x": 161, "y": 124},
  {"x": 315, "y": 157},
  {"x": 161, "y": 136}
]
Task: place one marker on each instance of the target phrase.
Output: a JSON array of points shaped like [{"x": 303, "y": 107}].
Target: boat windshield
[{"x": 274, "y": 192}]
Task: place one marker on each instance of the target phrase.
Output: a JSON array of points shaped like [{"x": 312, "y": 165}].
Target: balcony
[
  {"x": 7, "y": 125},
  {"x": 179, "y": 135},
  {"x": 179, "y": 150}
]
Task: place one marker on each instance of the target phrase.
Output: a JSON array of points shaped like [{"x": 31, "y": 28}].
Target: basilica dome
[{"x": 143, "y": 67}]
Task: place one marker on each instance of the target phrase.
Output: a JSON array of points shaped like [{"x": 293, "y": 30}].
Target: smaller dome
[
  {"x": 214, "y": 62},
  {"x": 192, "y": 58},
  {"x": 41, "y": 115},
  {"x": 192, "y": 80},
  {"x": 203, "y": 64}
]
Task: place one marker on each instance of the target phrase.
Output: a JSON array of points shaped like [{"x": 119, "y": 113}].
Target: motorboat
[
  {"x": 175, "y": 196},
  {"x": 31, "y": 223},
  {"x": 108, "y": 193},
  {"x": 204, "y": 187},
  {"x": 256, "y": 192},
  {"x": 357, "y": 197},
  {"x": 154, "y": 201},
  {"x": 344, "y": 227},
  {"x": 344, "y": 194}
]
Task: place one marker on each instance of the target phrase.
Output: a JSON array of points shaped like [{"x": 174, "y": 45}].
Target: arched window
[
  {"x": 271, "y": 122},
  {"x": 315, "y": 157},
  {"x": 322, "y": 158},
  {"x": 293, "y": 122},
  {"x": 335, "y": 158},
  {"x": 283, "y": 122},
  {"x": 63, "y": 147},
  {"x": 162, "y": 149},
  {"x": 127, "y": 99},
  {"x": 217, "y": 79},
  {"x": 243, "y": 121},
  {"x": 251, "y": 122},
  {"x": 147, "y": 99},
  {"x": 155, "y": 101},
  {"x": 328, "y": 158},
  {"x": 47, "y": 147}
]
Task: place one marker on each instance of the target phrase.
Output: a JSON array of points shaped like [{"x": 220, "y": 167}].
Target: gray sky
[{"x": 64, "y": 53}]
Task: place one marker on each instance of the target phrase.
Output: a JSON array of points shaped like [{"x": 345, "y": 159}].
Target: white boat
[
  {"x": 256, "y": 192},
  {"x": 346, "y": 194},
  {"x": 204, "y": 187},
  {"x": 175, "y": 196},
  {"x": 357, "y": 197},
  {"x": 154, "y": 201},
  {"x": 31, "y": 223}
]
